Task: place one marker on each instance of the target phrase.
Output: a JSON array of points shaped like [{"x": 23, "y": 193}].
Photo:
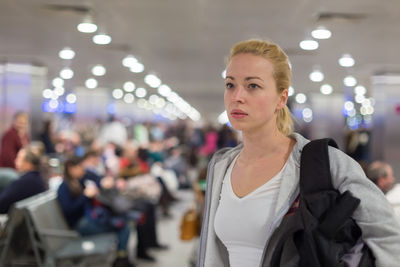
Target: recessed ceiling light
[
  {"x": 66, "y": 73},
  {"x": 129, "y": 98},
  {"x": 307, "y": 114},
  {"x": 152, "y": 80},
  {"x": 129, "y": 87},
  {"x": 141, "y": 92},
  {"x": 301, "y": 98},
  {"x": 316, "y": 76},
  {"x": 360, "y": 90},
  {"x": 71, "y": 98},
  {"x": 99, "y": 70},
  {"x": 87, "y": 26},
  {"x": 58, "y": 82},
  {"x": 321, "y": 33},
  {"x": 137, "y": 67},
  {"x": 102, "y": 39},
  {"x": 128, "y": 61},
  {"x": 350, "y": 81},
  {"x": 91, "y": 83},
  {"x": 117, "y": 93},
  {"x": 66, "y": 53},
  {"x": 223, "y": 74},
  {"x": 47, "y": 93},
  {"x": 309, "y": 45},
  {"x": 164, "y": 90},
  {"x": 326, "y": 89},
  {"x": 348, "y": 105},
  {"x": 346, "y": 61},
  {"x": 59, "y": 91}
]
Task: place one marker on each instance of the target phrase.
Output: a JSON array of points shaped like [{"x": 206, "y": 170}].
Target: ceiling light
[
  {"x": 153, "y": 99},
  {"x": 164, "y": 90},
  {"x": 223, "y": 118},
  {"x": 53, "y": 104},
  {"x": 367, "y": 102},
  {"x": 350, "y": 81},
  {"x": 129, "y": 87},
  {"x": 316, "y": 76},
  {"x": 129, "y": 98},
  {"x": 141, "y": 92},
  {"x": 66, "y": 53},
  {"x": 307, "y": 114},
  {"x": 47, "y": 93},
  {"x": 321, "y": 33},
  {"x": 117, "y": 93},
  {"x": 71, "y": 98},
  {"x": 359, "y": 98},
  {"x": 360, "y": 90},
  {"x": 309, "y": 45},
  {"x": 58, "y": 82},
  {"x": 223, "y": 74},
  {"x": 346, "y": 61},
  {"x": 160, "y": 103},
  {"x": 91, "y": 83},
  {"x": 137, "y": 67},
  {"x": 301, "y": 98},
  {"x": 128, "y": 61},
  {"x": 348, "y": 105},
  {"x": 102, "y": 39},
  {"x": 99, "y": 70},
  {"x": 141, "y": 103},
  {"x": 152, "y": 80},
  {"x": 326, "y": 89},
  {"x": 66, "y": 73},
  {"x": 291, "y": 91},
  {"x": 59, "y": 91},
  {"x": 87, "y": 26},
  {"x": 54, "y": 95}
]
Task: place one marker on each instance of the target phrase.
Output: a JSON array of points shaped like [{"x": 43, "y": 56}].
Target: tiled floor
[{"x": 168, "y": 231}]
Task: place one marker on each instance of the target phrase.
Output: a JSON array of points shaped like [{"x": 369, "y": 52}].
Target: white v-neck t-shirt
[{"x": 242, "y": 223}]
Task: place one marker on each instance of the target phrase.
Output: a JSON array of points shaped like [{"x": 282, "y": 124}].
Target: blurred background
[{"x": 141, "y": 83}]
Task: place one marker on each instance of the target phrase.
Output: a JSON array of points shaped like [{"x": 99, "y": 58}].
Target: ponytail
[{"x": 284, "y": 121}]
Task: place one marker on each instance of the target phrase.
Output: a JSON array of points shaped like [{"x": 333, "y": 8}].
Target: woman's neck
[{"x": 262, "y": 144}]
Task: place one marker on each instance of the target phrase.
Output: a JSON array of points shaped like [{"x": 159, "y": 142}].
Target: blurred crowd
[{"x": 109, "y": 175}]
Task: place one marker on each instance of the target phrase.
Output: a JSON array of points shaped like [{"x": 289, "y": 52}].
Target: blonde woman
[{"x": 252, "y": 186}]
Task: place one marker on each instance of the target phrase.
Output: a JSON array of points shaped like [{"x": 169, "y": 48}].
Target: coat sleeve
[{"x": 375, "y": 216}]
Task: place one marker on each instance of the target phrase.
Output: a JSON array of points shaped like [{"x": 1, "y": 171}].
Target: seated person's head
[
  {"x": 27, "y": 160},
  {"x": 73, "y": 168},
  {"x": 21, "y": 121},
  {"x": 381, "y": 173}
]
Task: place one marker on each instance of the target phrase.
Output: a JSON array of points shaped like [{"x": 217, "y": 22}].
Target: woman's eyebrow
[{"x": 253, "y": 77}]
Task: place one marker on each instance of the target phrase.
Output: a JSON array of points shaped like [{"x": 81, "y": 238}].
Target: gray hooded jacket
[{"x": 380, "y": 230}]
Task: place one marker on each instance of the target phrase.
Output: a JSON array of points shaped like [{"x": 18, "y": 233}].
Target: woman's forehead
[{"x": 249, "y": 65}]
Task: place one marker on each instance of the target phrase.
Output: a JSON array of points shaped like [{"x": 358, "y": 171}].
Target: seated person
[
  {"x": 381, "y": 173},
  {"x": 7, "y": 176},
  {"x": 145, "y": 223},
  {"x": 30, "y": 182},
  {"x": 76, "y": 196}
]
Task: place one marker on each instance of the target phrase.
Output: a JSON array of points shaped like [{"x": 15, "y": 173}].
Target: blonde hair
[{"x": 281, "y": 73}]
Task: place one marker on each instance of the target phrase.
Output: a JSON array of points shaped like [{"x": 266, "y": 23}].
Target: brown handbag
[{"x": 190, "y": 224}]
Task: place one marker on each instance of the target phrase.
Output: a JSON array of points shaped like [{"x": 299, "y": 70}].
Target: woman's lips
[{"x": 238, "y": 114}]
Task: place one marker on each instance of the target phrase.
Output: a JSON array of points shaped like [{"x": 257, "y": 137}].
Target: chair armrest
[{"x": 59, "y": 233}]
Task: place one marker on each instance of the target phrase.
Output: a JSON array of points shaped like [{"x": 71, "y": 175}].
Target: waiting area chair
[{"x": 51, "y": 240}]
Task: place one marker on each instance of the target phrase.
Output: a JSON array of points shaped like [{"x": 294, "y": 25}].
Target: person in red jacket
[{"x": 14, "y": 139}]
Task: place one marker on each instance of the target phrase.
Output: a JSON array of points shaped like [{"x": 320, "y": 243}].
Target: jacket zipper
[{"x": 275, "y": 222}]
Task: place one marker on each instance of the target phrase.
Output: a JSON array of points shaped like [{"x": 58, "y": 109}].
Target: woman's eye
[
  {"x": 253, "y": 86},
  {"x": 229, "y": 85}
]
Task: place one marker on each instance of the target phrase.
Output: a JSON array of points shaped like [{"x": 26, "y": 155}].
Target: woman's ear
[{"x": 283, "y": 97}]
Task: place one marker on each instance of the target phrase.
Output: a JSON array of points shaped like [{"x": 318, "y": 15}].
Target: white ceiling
[{"x": 185, "y": 42}]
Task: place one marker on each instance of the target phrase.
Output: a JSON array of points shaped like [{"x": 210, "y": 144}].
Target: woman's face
[
  {"x": 251, "y": 97},
  {"x": 77, "y": 171}
]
